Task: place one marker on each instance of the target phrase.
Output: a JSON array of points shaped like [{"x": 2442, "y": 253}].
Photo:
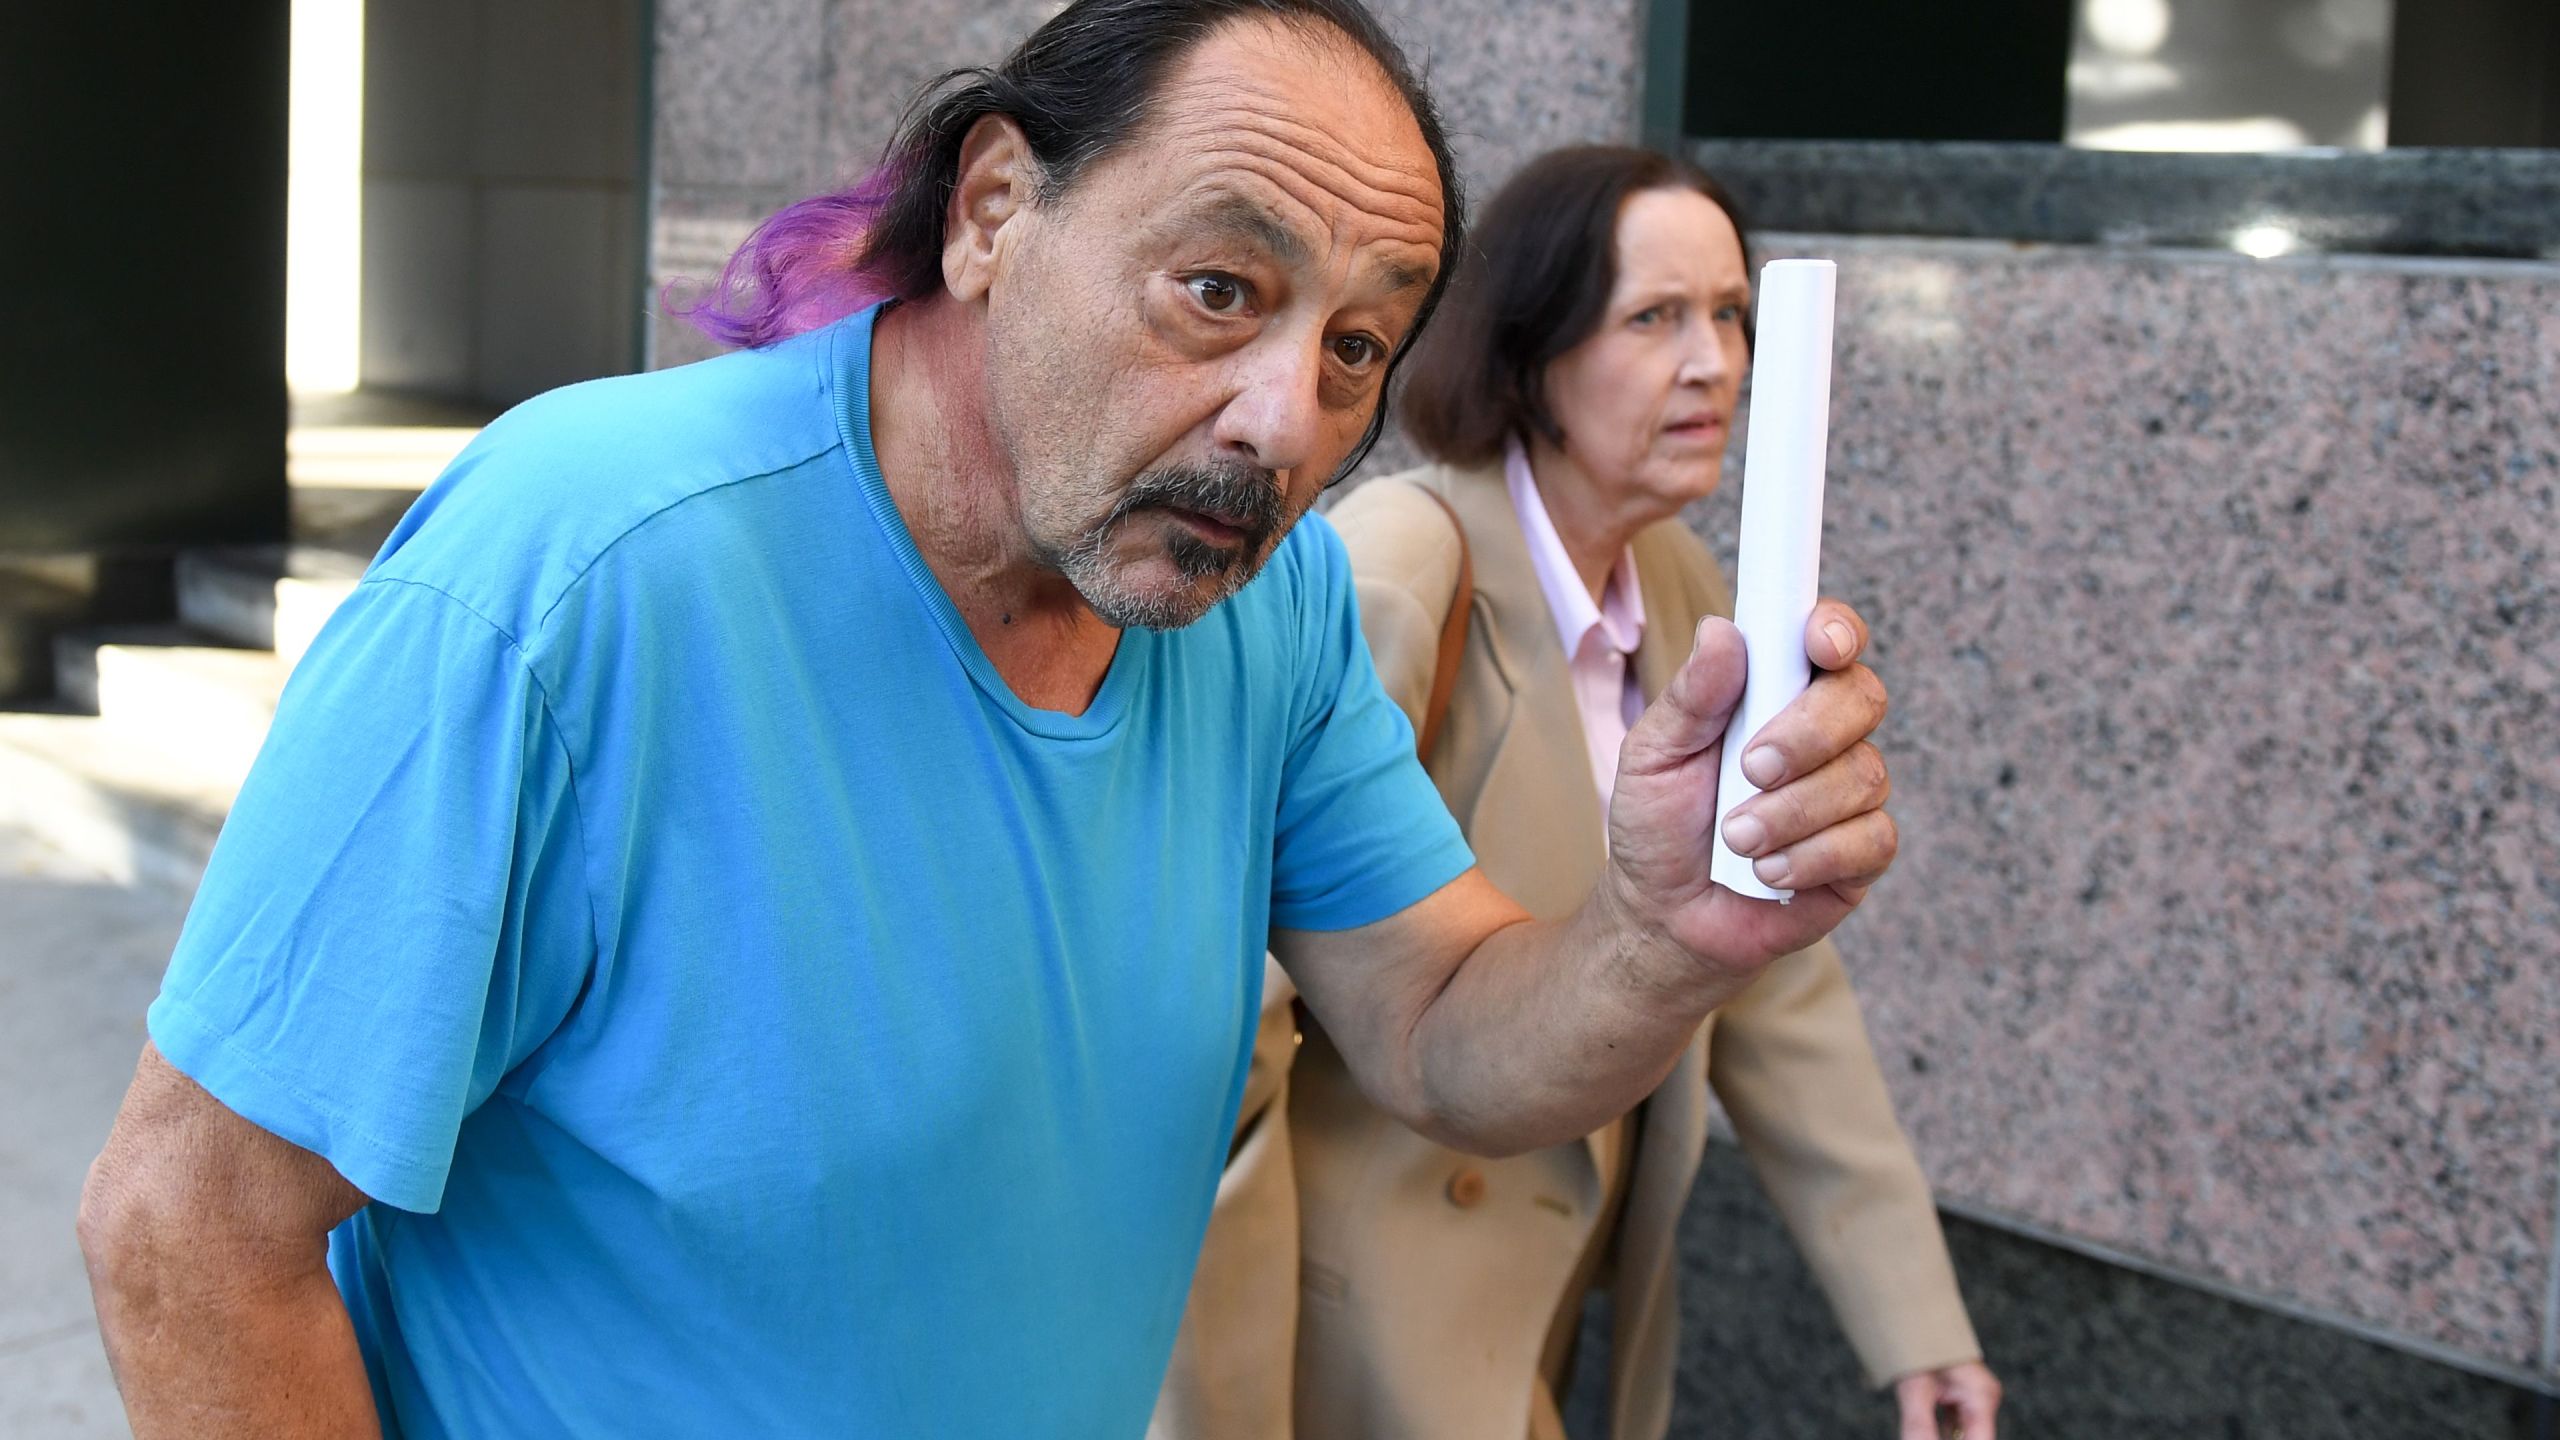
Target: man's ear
[{"x": 999, "y": 180}]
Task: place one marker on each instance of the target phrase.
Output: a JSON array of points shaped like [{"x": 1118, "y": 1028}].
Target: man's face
[{"x": 1186, "y": 344}]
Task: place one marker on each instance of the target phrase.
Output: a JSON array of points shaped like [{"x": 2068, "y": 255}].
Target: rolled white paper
[{"x": 1780, "y": 564}]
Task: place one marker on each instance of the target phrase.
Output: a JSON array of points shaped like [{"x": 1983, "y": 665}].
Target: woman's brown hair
[{"x": 1533, "y": 284}]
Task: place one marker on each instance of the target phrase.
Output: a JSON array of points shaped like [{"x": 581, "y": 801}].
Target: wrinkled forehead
[{"x": 1301, "y": 120}]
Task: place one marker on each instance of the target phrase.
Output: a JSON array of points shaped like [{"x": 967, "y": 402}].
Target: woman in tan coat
[{"x": 1360, "y": 1282}]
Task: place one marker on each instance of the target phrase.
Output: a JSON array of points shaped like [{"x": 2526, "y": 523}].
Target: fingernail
[
  {"x": 1774, "y": 871},
  {"x": 1746, "y": 834},
  {"x": 1764, "y": 766},
  {"x": 1842, "y": 637}
]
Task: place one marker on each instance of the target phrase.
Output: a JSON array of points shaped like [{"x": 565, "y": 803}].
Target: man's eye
[
  {"x": 1357, "y": 351},
  {"x": 1645, "y": 316},
  {"x": 1217, "y": 294}
]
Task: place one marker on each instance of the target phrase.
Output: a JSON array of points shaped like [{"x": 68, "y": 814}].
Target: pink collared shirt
[{"x": 1599, "y": 640}]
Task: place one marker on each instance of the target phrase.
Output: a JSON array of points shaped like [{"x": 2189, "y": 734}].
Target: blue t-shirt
[{"x": 748, "y": 1017}]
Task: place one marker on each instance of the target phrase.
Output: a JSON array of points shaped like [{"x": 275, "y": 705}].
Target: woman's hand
[{"x": 1966, "y": 1394}]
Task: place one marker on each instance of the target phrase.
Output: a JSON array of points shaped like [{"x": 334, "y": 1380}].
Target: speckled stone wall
[{"x": 2217, "y": 602}]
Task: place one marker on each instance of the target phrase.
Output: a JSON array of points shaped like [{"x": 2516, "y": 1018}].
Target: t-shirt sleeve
[
  {"x": 396, "y": 914},
  {"x": 1362, "y": 832}
]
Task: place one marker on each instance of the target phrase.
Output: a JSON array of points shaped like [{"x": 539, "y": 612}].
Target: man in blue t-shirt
[{"x": 750, "y": 921}]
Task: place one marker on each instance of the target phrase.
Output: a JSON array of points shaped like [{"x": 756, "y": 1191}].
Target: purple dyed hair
[{"x": 805, "y": 267}]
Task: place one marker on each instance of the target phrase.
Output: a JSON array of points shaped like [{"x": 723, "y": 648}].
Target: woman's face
[{"x": 1646, "y": 400}]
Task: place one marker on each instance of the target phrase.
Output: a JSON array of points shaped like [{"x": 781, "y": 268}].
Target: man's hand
[
  {"x": 1494, "y": 1033},
  {"x": 1818, "y": 828},
  {"x": 1970, "y": 1391}
]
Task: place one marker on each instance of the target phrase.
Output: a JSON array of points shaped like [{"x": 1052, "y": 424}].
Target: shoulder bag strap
[{"x": 1453, "y": 638}]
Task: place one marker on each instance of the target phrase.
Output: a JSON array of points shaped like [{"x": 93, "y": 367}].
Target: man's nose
[{"x": 1276, "y": 417}]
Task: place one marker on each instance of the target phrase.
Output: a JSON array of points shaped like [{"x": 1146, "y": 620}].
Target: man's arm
[
  {"x": 1496, "y": 1033},
  {"x": 207, "y": 1244}
]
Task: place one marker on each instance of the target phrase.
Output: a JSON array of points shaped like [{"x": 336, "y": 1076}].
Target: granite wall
[{"x": 2215, "y": 601}]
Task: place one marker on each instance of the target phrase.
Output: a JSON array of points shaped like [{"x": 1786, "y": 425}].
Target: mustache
[{"x": 1244, "y": 496}]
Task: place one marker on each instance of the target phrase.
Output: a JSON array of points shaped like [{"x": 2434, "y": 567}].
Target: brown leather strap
[{"x": 1453, "y": 639}]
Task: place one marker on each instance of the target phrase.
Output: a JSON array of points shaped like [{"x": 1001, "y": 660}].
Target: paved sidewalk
[{"x": 80, "y": 958}]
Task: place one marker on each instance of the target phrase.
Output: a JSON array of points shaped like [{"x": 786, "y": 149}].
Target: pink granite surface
[
  {"x": 740, "y": 93},
  {"x": 2217, "y": 602},
  {"x": 1513, "y": 81}
]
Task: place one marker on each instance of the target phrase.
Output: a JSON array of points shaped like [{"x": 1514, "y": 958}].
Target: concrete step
[
  {"x": 43, "y": 595},
  {"x": 355, "y": 462},
  {"x": 394, "y": 457},
  {"x": 108, "y": 799},
  {"x": 203, "y": 707},
  {"x": 354, "y": 519},
  {"x": 272, "y": 597}
]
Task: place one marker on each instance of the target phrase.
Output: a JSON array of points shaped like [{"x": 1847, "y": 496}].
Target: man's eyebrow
[
  {"x": 1234, "y": 217},
  {"x": 1404, "y": 277}
]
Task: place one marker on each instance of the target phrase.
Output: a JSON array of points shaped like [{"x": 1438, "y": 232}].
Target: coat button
[{"x": 1466, "y": 1189}]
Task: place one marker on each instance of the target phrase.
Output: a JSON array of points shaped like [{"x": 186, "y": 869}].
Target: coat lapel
[
  {"x": 1679, "y": 580},
  {"x": 1535, "y": 821}
]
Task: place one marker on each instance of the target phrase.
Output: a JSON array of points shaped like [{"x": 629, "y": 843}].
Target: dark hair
[
  {"x": 1534, "y": 285},
  {"x": 1079, "y": 87}
]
